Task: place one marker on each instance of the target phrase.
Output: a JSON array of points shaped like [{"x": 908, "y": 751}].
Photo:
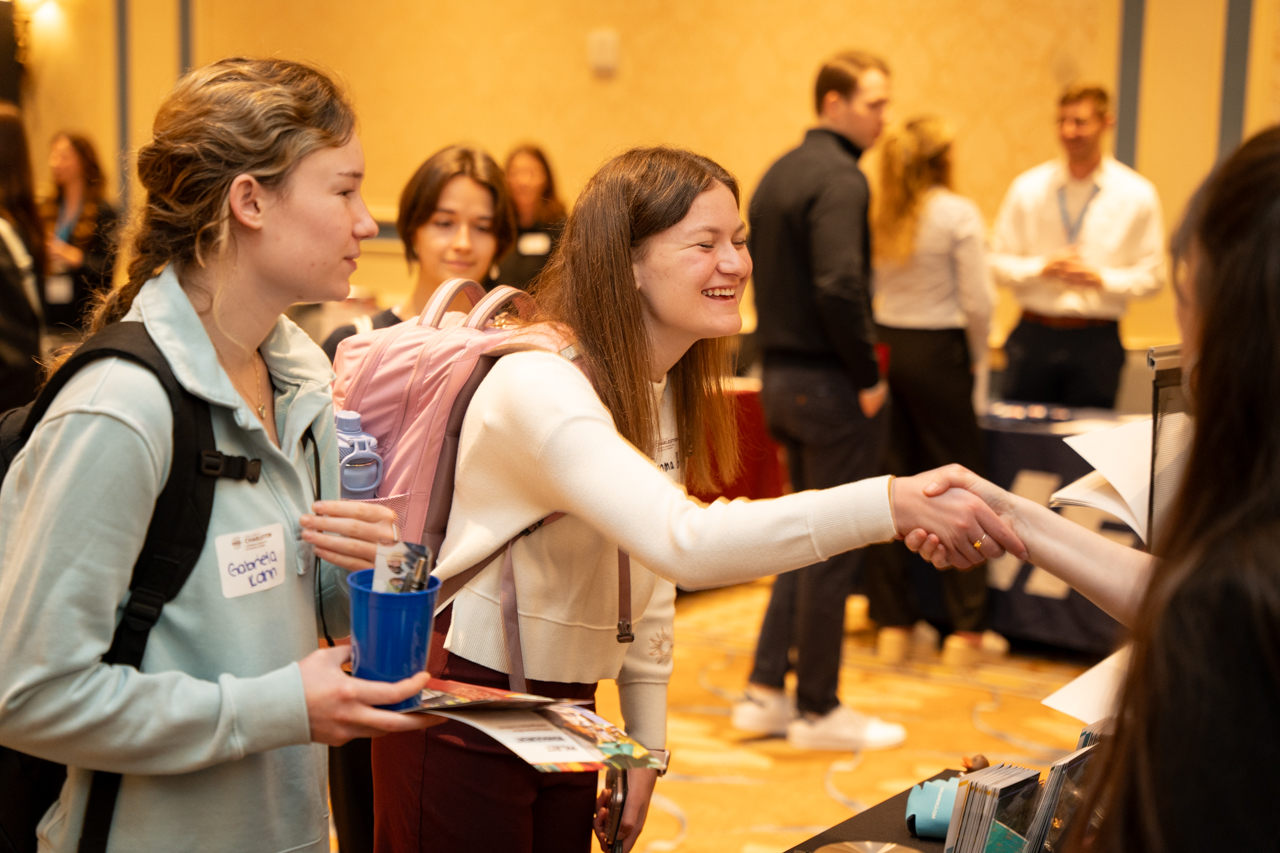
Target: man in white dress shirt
[{"x": 1075, "y": 239}]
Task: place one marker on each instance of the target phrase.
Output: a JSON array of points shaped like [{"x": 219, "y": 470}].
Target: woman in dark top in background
[
  {"x": 540, "y": 212},
  {"x": 21, "y": 266},
  {"x": 81, "y": 225},
  {"x": 455, "y": 220}
]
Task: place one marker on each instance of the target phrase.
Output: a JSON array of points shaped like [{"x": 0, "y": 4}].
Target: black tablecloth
[{"x": 884, "y": 822}]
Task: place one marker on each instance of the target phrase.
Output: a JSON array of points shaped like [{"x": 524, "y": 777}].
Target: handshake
[{"x": 952, "y": 517}]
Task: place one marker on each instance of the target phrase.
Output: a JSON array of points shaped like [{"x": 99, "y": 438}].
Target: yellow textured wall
[
  {"x": 71, "y": 83},
  {"x": 729, "y": 78},
  {"x": 1179, "y": 103}
]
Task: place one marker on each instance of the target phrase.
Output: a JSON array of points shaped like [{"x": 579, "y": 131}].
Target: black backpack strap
[{"x": 179, "y": 521}]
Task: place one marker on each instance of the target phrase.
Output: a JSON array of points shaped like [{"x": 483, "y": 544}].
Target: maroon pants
[{"x": 452, "y": 789}]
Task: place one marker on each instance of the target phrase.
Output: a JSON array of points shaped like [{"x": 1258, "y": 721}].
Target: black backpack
[{"x": 174, "y": 541}]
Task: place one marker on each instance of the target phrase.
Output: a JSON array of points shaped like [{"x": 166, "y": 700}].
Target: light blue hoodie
[{"x": 212, "y": 734}]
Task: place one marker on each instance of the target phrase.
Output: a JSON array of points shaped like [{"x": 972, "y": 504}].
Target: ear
[
  {"x": 248, "y": 201},
  {"x": 831, "y": 102}
]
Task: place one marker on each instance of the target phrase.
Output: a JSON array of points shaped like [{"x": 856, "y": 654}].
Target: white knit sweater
[{"x": 537, "y": 440}]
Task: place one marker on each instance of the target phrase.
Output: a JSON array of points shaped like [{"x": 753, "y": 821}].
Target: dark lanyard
[
  {"x": 309, "y": 436},
  {"x": 1073, "y": 228}
]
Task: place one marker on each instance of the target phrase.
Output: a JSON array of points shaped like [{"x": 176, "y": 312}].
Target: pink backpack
[{"x": 411, "y": 384}]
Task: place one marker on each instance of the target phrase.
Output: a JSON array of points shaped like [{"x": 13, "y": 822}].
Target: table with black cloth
[
  {"x": 1019, "y": 444},
  {"x": 886, "y": 822}
]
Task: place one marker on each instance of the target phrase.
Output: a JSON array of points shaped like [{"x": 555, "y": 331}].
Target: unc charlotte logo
[{"x": 235, "y": 542}]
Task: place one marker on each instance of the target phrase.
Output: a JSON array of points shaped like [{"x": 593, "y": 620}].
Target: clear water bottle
[{"x": 359, "y": 465}]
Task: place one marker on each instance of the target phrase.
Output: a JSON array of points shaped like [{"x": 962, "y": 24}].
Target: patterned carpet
[{"x": 729, "y": 792}]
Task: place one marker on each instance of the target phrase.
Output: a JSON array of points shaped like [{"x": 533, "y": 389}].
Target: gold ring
[{"x": 978, "y": 544}]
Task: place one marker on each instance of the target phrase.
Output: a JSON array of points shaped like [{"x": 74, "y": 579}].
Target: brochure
[{"x": 552, "y": 735}]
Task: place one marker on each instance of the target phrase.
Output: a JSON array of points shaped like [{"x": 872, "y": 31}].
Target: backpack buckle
[
  {"x": 624, "y": 631},
  {"x": 214, "y": 463},
  {"x": 142, "y": 610}
]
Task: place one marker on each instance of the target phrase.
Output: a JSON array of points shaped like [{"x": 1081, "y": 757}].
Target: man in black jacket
[{"x": 823, "y": 392}]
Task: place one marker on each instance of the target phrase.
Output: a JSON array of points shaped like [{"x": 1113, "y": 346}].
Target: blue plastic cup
[{"x": 390, "y": 631}]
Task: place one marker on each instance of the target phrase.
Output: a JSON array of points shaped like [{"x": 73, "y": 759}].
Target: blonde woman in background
[{"x": 933, "y": 304}]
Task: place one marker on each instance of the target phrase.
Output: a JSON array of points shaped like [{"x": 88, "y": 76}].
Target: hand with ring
[
  {"x": 961, "y": 525},
  {"x": 946, "y": 481}
]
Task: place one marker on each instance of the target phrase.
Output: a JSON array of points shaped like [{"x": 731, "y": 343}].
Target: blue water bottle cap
[{"x": 348, "y": 421}]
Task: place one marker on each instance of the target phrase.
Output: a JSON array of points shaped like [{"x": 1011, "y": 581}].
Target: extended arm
[{"x": 1112, "y": 576}]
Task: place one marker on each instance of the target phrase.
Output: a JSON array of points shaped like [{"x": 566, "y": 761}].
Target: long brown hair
[
  {"x": 550, "y": 208},
  {"x": 914, "y": 159},
  {"x": 17, "y": 188},
  {"x": 95, "y": 183},
  {"x": 421, "y": 196},
  {"x": 258, "y": 117},
  {"x": 1223, "y": 536},
  {"x": 589, "y": 286}
]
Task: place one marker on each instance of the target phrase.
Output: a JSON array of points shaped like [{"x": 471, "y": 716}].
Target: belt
[{"x": 1064, "y": 322}]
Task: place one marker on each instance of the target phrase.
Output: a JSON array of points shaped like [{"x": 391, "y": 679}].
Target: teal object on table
[{"x": 929, "y": 807}]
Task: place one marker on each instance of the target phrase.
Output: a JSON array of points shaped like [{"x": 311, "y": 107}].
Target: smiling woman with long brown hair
[{"x": 645, "y": 287}]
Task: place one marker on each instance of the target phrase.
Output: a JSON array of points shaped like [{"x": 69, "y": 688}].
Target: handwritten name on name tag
[{"x": 251, "y": 561}]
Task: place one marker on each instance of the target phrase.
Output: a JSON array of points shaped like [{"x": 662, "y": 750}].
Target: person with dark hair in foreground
[{"x": 1191, "y": 766}]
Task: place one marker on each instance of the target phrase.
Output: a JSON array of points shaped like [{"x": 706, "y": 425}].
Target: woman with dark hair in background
[
  {"x": 82, "y": 232},
  {"x": 540, "y": 214},
  {"x": 933, "y": 304},
  {"x": 455, "y": 220},
  {"x": 1192, "y": 763},
  {"x": 21, "y": 266}
]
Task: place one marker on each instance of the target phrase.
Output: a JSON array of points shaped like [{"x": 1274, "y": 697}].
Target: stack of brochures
[
  {"x": 1063, "y": 793},
  {"x": 552, "y": 735},
  {"x": 993, "y": 810},
  {"x": 1090, "y": 735}
]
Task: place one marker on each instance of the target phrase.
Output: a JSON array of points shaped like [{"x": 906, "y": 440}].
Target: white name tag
[
  {"x": 534, "y": 243},
  {"x": 251, "y": 561},
  {"x": 58, "y": 289}
]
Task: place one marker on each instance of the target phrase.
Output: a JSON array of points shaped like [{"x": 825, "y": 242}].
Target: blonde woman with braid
[
  {"x": 252, "y": 204},
  {"x": 933, "y": 305}
]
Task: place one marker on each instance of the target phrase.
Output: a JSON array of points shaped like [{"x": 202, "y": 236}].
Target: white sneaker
[
  {"x": 763, "y": 712},
  {"x": 844, "y": 729}
]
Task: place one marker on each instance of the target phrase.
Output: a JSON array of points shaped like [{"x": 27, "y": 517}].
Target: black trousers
[
  {"x": 1070, "y": 367},
  {"x": 813, "y": 412},
  {"x": 931, "y": 423},
  {"x": 351, "y": 795}
]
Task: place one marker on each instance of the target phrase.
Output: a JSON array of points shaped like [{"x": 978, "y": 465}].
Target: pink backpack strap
[
  {"x": 438, "y": 304},
  {"x": 486, "y": 309},
  {"x": 441, "y": 501}
]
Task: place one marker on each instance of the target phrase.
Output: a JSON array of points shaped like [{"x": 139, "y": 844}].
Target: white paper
[
  {"x": 251, "y": 561},
  {"x": 528, "y": 735},
  {"x": 1093, "y": 490},
  {"x": 1123, "y": 456},
  {"x": 1092, "y": 696}
]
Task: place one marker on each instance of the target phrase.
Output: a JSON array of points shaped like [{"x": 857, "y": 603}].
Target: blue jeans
[{"x": 814, "y": 413}]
